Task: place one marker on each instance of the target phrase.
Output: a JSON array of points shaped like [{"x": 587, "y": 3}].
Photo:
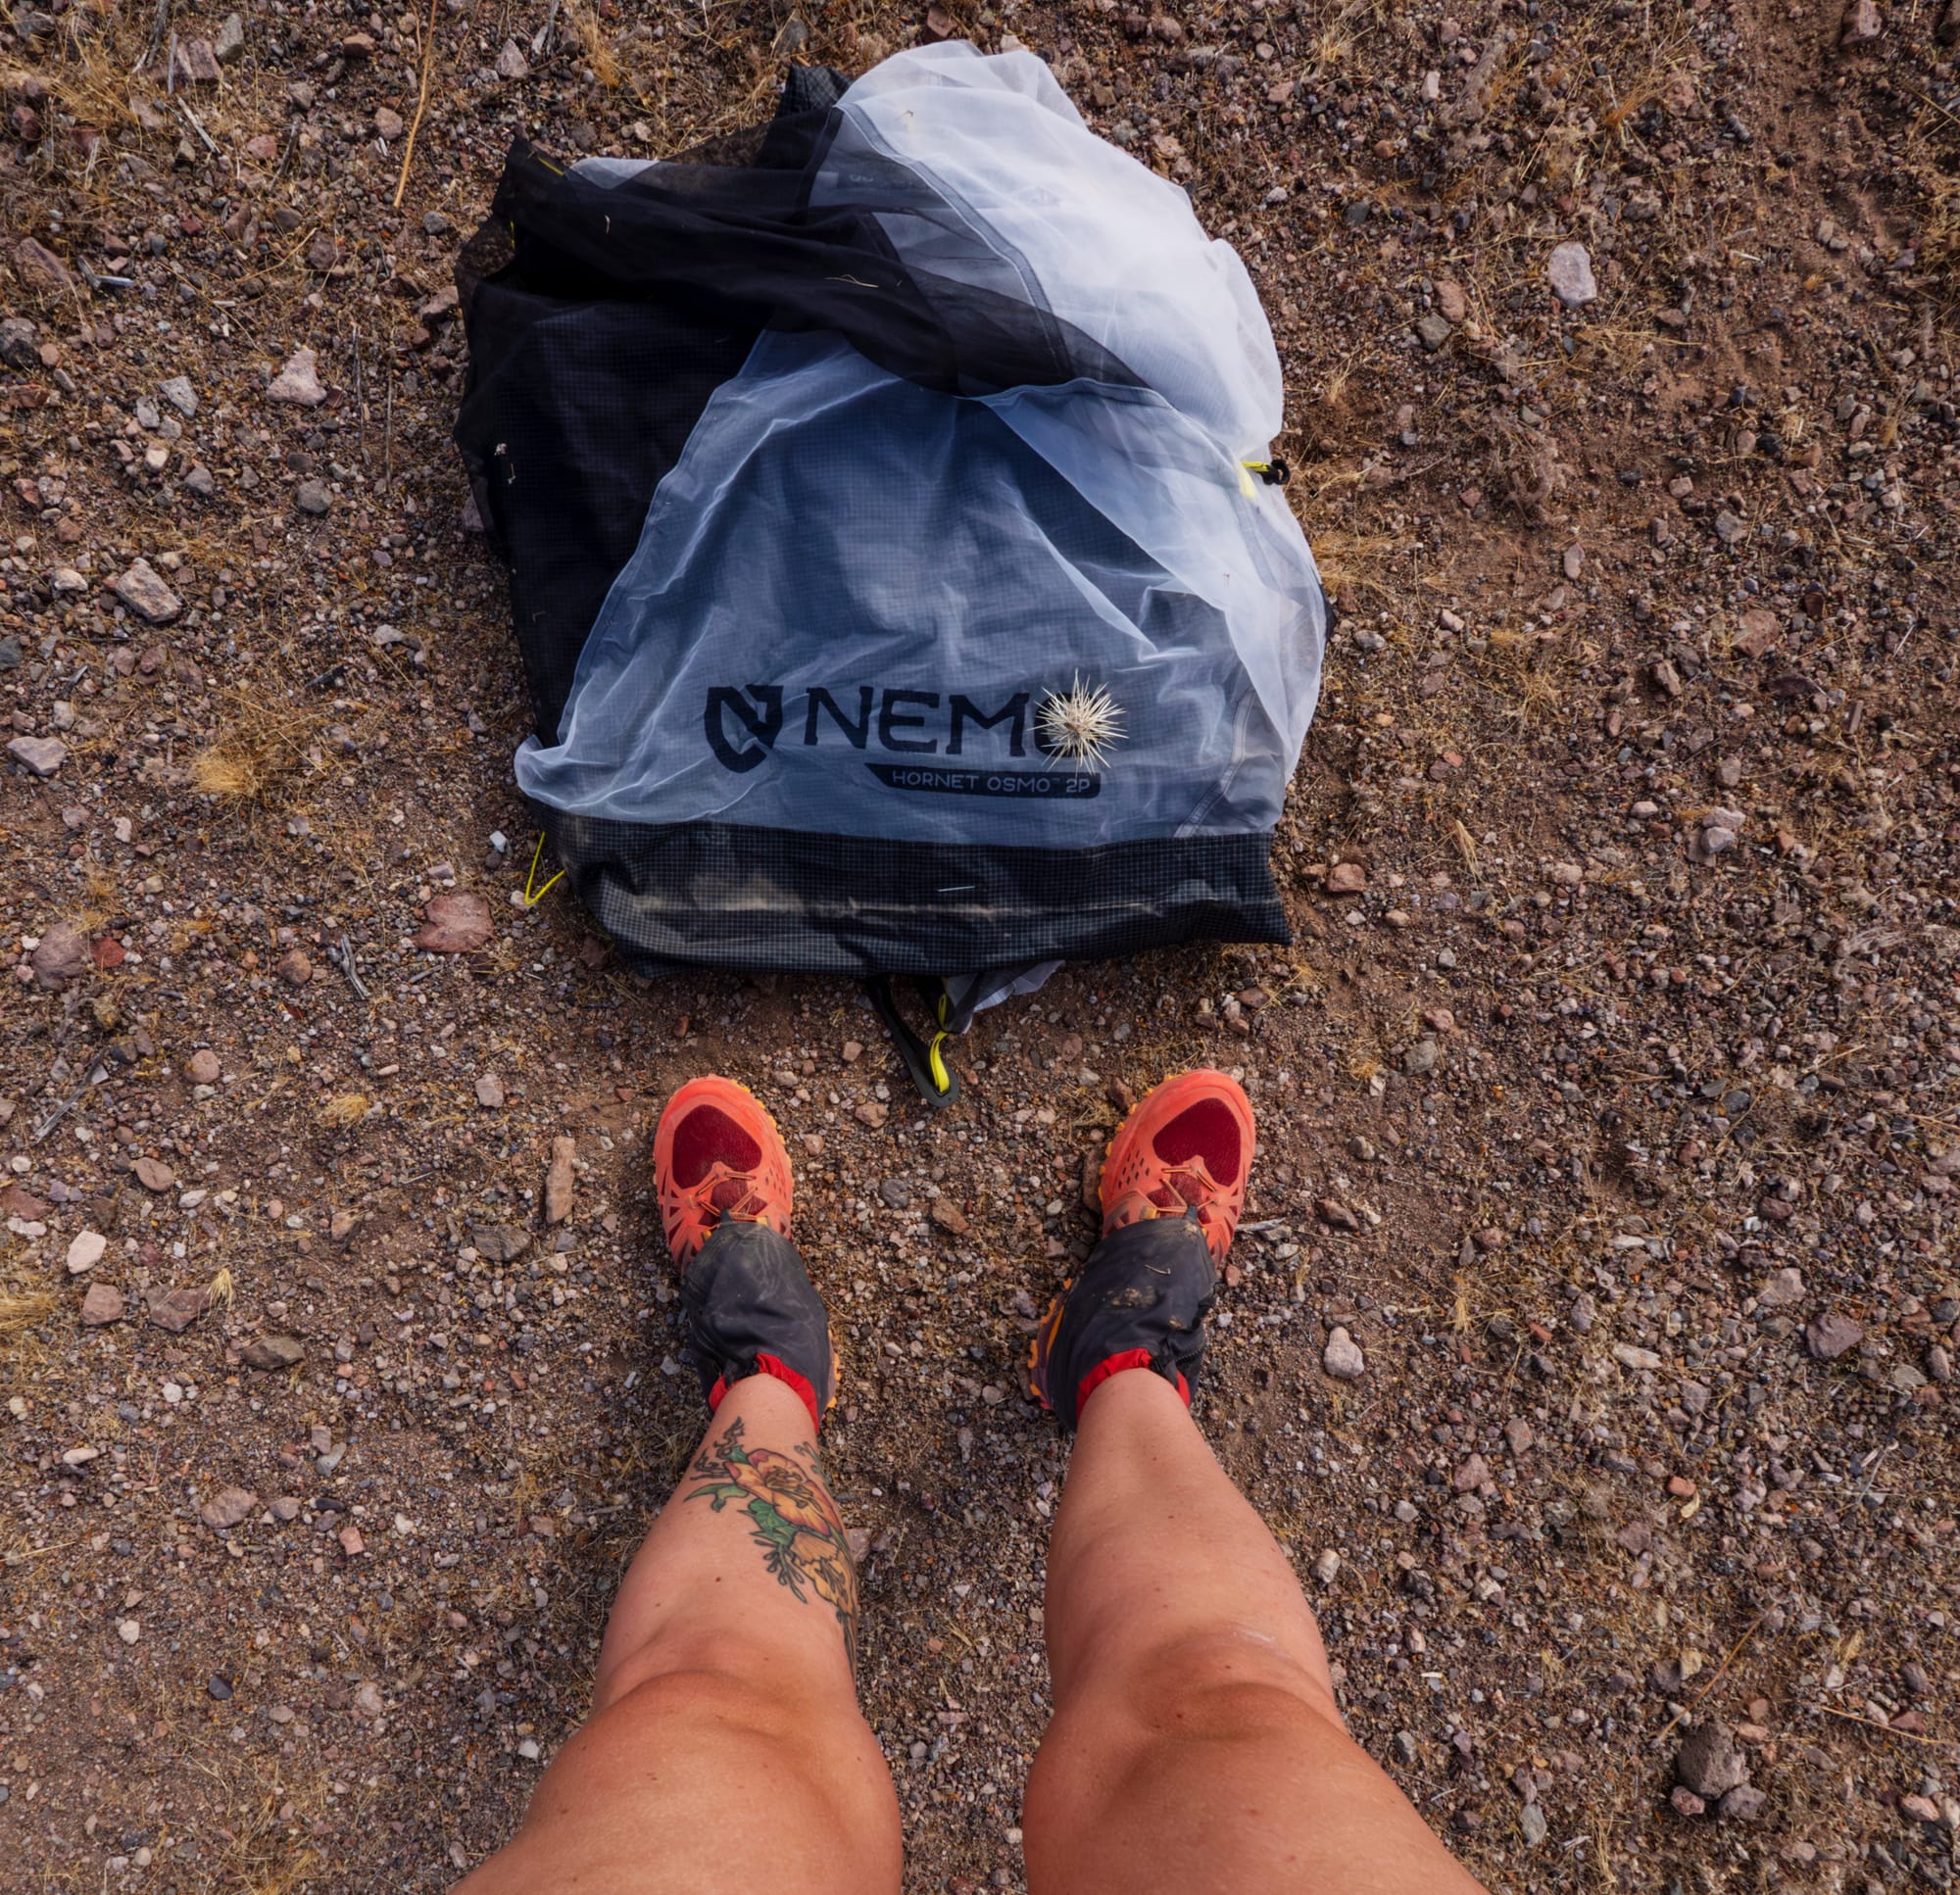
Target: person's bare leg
[
  {"x": 726, "y": 1751},
  {"x": 1195, "y": 1743}
]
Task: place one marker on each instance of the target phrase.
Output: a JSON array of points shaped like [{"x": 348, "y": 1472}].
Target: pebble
[
  {"x": 1830, "y": 1335},
  {"x": 313, "y": 498},
  {"x": 298, "y": 381},
  {"x": 1630, "y": 1357},
  {"x": 559, "y": 1180},
  {"x": 489, "y": 1091},
  {"x": 226, "y": 47},
  {"x": 949, "y": 1216},
  {"x": 85, "y": 1252},
  {"x": 145, "y": 594},
  {"x": 229, "y": 1507},
  {"x": 128, "y": 1630},
  {"x": 180, "y": 394},
  {"x": 175, "y": 1310},
  {"x": 1710, "y": 1761},
  {"x": 41, "y": 755},
  {"x": 455, "y": 924},
  {"x": 512, "y": 64},
  {"x": 1783, "y": 1289},
  {"x": 1343, "y": 1358},
  {"x": 203, "y": 1067},
  {"x": 387, "y": 124},
  {"x": 272, "y": 1352},
  {"x": 1346, "y": 878},
  {"x": 102, "y": 1305},
  {"x": 152, "y": 1174},
  {"x": 1432, "y": 331},
  {"x": 1569, "y": 270},
  {"x": 1452, "y": 300},
  {"x": 1327, "y": 1567},
  {"x": 1532, "y": 1825},
  {"x": 294, "y": 967},
  {"x": 62, "y": 956},
  {"x": 1861, "y": 24}
]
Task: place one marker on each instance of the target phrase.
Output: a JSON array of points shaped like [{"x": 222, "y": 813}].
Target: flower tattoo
[{"x": 796, "y": 1522}]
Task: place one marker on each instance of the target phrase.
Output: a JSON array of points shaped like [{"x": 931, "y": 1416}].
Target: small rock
[
  {"x": 38, "y": 268},
  {"x": 896, "y": 1192},
  {"x": 1630, "y": 1357},
  {"x": 180, "y": 394},
  {"x": 1742, "y": 1804},
  {"x": 1432, "y": 331},
  {"x": 298, "y": 381},
  {"x": 949, "y": 1216},
  {"x": 1710, "y": 1762},
  {"x": 387, "y": 124},
  {"x": 313, "y": 498},
  {"x": 1830, "y": 1335},
  {"x": 19, "y": 348},
  {"x": 512, "y": 64},
  {"x": 455, "y": 924},
  {"x": 1343, "y": 1358},
  {"x": 85, "y": 1253},
  {"x": 1686, "y": 1801},
  {"x": 1518, "y": 1436},
  {"x": 323, "y": 252},
  {"x": 501, "y": 1242},
  {"x": 871, "y": 1112},
  {"x": 63, "y": 957},
  {"x": 1861, "y": 24},
  {"x": 102, "y": 1305},
  {"x": 1532, "y": 1825},
  {"x": 1330, "y": 1211},
  {"x": 41, "y": 755},
  {"x": 201, "y": 481},
  {"x": 1569, "y": 270},
  {"x": 128, "y": 1630},
  {"x": 228, "y": 1508},
  {"x": 152, "y": 1174},
  {"x": 1475, "y": 1473},
  {"x": 294, "y": 967},
  {"x": 231, "y": 40},
  {"x": 1783, "y": 1289},
  {"x": 350, "y": 1542},
  {"x": 1421, "y": 1058},
  {"x": 78, "y": 1457},
  {"x": 175, "y": 1310},
  {"x": 1452, "y": 300},
  {"x": 146, "y": 595},
  {"x": 1327, "y": 1567},
  {"x": 203, "y": 1067},
  {"x": 1346, "y": 878},
  {"x": 559, "y": 1179},
  {"x": 1728, "y": 530},
  {"x": 272, "y": 1353},
  {"x": 218, "y": 1688},
  {"x": 489, "y": 1091}
]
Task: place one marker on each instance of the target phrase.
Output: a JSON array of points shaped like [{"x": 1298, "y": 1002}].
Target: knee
[
  {"x": 704, "y": 1678},
  {"x": 1232, "y": 1684}
]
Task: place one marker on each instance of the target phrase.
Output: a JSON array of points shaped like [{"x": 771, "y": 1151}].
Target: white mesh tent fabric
[{"x": 827, "y": 475}]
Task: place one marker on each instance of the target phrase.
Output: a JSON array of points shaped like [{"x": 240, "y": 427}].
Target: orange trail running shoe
[
  {"x": 1173, "y": 1187},
  {"x": 726, "y": 1199}
]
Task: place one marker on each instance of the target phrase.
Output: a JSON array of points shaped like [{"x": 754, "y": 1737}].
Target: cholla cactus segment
[{"x": 1080, "y": 724}]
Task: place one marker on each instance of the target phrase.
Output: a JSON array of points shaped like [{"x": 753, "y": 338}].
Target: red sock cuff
[
  {"x": 771, "y": 1365},
  {"x": 1114, "y": 1365}
]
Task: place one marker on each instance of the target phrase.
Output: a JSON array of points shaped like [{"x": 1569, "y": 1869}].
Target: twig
[
  {"x": 359, "y": 394},
  {"x": 1734, "y": 1651},
  {"x": 1872, "y": 1724},
  {"x": 543, "y": 33},
  {"x": 421, "y": 101},
  {"x": 55, "y": 1117},
  {"x": 389, "y": 433},
  {"x": 343, "y": 959},
  {"x": 156, "y": 36},
  {"x": 198, "y": 128},
  {"x": 291, "y": 136}
]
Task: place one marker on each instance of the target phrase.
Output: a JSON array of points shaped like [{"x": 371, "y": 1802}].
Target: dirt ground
[{"x": 1607, "y": 1092}]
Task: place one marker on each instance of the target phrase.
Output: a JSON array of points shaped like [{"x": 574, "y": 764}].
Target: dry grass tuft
[
  {"x": 345, "y": 1110},
  {"x": 596, "y": 46},
  {"x": 23, "y": 1309},
  {"x": 257, "y": 755}
]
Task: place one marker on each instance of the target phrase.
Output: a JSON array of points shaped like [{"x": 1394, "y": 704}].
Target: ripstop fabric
[{"x": 826, "y": 463}]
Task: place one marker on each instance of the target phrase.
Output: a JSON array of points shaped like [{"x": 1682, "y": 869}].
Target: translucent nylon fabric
[{"x": 853, "y": 592}]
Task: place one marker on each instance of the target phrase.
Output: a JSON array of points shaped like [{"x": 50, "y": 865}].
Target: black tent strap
[
  {"x": 719, "y": 895},
  {"x": 938, "y": 1084}
]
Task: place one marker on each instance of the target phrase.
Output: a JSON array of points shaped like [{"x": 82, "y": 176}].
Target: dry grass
[
  {"x": 258, "y": 751},
  {"x": 23, "y": 1309},
  {"x": 345, "y": 1111},
  {"x": 596, "y": 47}
]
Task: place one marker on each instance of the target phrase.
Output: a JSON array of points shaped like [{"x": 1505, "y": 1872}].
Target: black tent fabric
[{"x": 895, "y": 589}]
